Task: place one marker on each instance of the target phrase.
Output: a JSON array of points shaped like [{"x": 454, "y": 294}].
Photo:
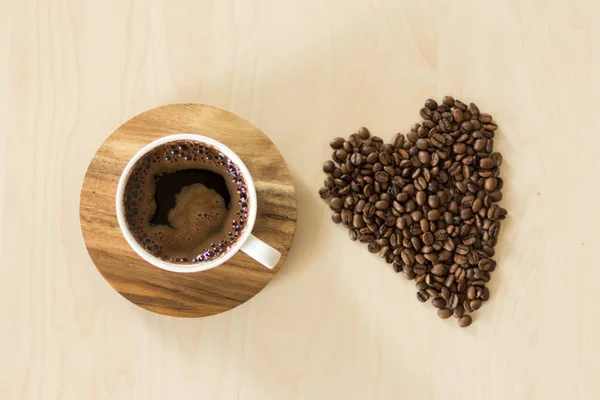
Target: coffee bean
[
  {"x": 325, "y": 193},
  {"x": 448, "y": 100},
  {"x": 373, "y": 247},
  {"x": 465, "y": 321},
  {"x": 425, "y": 114},
  {"x": 356, "y": 159},
  {"x": 458, "y": 311},
  {"x": 422, "y": 144},
  {"x": 471, "y": 294},
  {"x": 382, "y": 205},
  {"x": 366, "y": 238},
  {"x": 487, "y": 163},
  {"x": 353, "y": 234},
  {"x": 422, "y": 296},
  {"x": 485, "y": 294},
  {"x": 497, "y": 157},
  {"x": 487, "y": 264},
  {"x": 475, "y": 304},
  {"x": 444, "y": 313},
  {"x": 493, "y": 212},
  {"x": 336, "y": 203},
  {"x": 427, "y": 238},
  {"x": 467, "y": 126},
  {"x": 460, "y": 104},
  {"x": 382, "y": 176},
  {"x": 337, "y": 143},
  {"x": 433, "y": 215},
  {"x": 424, "y": 157},
  {"x": 346, "y": 216},
  {"x": 438, "y": 302},
  {"x": 457, "y": 115},
  {"x": 341, "y": 155},
  {"x": 369, "y": 210},
  {"x": 438, "y": 141},
  {"x": 363, "y": 133},
  {"x": 439, "y": 270},
  {"x": 385, "y": 158},
  {"x": 431, "y": 104},
  {"x": 336, "y": 218},
  {"x": 408, "y": 256},
  {"x": 328, "y": 166}
]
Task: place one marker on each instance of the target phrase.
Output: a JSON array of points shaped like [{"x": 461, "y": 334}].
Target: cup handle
[{"x": 261, "y": 252}]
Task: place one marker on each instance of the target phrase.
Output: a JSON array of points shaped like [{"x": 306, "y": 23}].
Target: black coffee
[{"x": 186, "y": 202}]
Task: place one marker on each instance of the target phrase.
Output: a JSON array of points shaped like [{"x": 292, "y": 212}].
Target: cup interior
[{"x": 200, "y": 266}]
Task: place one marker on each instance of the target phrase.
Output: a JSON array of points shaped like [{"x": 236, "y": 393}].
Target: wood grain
[
  {"x": 198, "y": 294},
  {"x": 336, "y": 322}
]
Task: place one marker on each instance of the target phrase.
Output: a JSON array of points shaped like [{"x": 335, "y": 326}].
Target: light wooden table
[{"x": 336, "y": 323}]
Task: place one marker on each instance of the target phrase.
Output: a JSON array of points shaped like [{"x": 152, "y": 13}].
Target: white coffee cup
[{"x": 248, "y": 243}]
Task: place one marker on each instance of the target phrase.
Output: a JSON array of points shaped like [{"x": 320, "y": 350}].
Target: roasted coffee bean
[
  {"x": 467, "y": 126},
  {"x": 408, "y": 256},
  {"x": 471, "y": 293},
  {"x": 374, "y": 247},
  {"x": 477, "y": 204},
  {"x": 341, "y": 155},
  {"x": 382, "y": 176},
  {"x": 353, "y": 234},
  {"x": 438, "y": 141},
  {"x": 363, "y": 133},
  {"x": 336, "y": 203},
  {"x": 485, "y": 294},
  {"x": 328, "y": 167},
  {"x": 439, "y": 270},
  {"x": 336, "y": 217},
  {"x": 457, "y": 115},
  {"x": 385, "y": 158},
  {"x": 448, "y": 101},
  {"x": 358, "y": 221},
  {"x": 369, "y": 210},
  {"x": 493, "y": 212},
  {"x": 366, "y": 238},
  {"x": 422, "y": 144},
  {"x": 438, "y": 302},
  {"x": 426, "y": 114},
  {"x": 427, "y": 238},
  {"x": 487, "y": 163},
  {"x": 458, "y": 311},
  {"x": 487, "y": 264},
  {"x": 444, "y": 313},
  {"x": 325, "y": 193},
  {"x": 382, "y": 205},
  {"x": 454, "y": 301},
  {"x": 337, "y": 143},
  {"x": 356, "y": 159},
  {"x": 431, "y": 104},
  {"x": 465, "y": 321},
  {"x": 329, "y": 183},
  {"x": 346, "y": 216},
  {"x": 475, "y": 304},
  {"x": 422, "y": 296},
  {"x": 433, "y": 215},
  {"x": 424, "y": 157}
]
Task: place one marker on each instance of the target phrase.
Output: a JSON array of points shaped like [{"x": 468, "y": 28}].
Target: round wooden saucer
[{"x": 196, "y": 294}]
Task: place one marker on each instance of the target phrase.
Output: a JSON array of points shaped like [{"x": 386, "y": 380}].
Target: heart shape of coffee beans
[{"x": 426, "y": 203}]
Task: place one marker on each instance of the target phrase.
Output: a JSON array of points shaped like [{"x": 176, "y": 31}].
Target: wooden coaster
[{"x": 196, "y": 294}]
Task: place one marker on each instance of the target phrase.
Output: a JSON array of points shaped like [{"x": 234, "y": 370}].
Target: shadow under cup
[{"x": 260, "y": 251}]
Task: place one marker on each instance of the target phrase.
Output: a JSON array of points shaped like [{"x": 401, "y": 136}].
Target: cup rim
[{"x": 201, "y": 266}]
